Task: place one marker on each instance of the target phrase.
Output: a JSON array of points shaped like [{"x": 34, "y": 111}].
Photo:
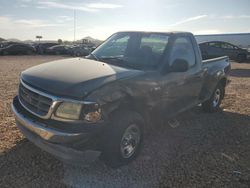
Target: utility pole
[{"x": 74, "y": 25}]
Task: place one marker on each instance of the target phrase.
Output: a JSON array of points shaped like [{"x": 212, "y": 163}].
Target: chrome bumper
[
  {"x": 44, "y": 132},
  {"x": 53, "y": 141}
]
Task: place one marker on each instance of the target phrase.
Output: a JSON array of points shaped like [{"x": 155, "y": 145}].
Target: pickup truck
[{"x": 80, "y": 109}]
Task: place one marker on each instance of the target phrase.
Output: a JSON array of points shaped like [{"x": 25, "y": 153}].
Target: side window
[
  {"x": 227, "y": 46},
  {"x": 157, "y": 42},
  {"x": 215, "y": 44},
  {"x": 183, "y": 49}
]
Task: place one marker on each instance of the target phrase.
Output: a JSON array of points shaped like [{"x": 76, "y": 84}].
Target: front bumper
[{"x": 57, "y": 142}]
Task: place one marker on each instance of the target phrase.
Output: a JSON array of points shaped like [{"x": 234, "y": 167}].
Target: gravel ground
[{"x": 205, "y": 150}]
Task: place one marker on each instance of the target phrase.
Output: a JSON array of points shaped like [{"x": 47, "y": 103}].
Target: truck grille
[{"x": 34, "y": 102}]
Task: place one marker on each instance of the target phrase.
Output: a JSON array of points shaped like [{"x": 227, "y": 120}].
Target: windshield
[{"x": 134, "y": 50}]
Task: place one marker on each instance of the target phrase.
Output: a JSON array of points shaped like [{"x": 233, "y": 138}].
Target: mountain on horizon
[
  {"x": 13, "y": 40},
  {"x": 92, "y": 40},
  {"x": 89, "y": 38},
  {"x": 2, "y": 39}
]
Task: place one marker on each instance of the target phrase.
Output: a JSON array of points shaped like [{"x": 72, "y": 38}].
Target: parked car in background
[
  {"x": 79, "y": 51},
  {"x": 58, "y": 50},
  {"x": 41, "y": 47},
  {"x": 17, "y": 49},
  {"x": 214, "y": 49},
  {"x": 7, "y": 43}
]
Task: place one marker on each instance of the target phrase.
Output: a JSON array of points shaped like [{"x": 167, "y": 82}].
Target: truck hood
[{"x": 74, "y": 78}]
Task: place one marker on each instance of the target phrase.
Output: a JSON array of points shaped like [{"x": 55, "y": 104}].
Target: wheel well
[
  {"x": 223, "y": 82},
  {"x": 130, "y": 104}
]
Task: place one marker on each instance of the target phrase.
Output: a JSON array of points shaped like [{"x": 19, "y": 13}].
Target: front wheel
[
  {"x": 122, "y": 141},
  {"x": 213, "y": 104}
]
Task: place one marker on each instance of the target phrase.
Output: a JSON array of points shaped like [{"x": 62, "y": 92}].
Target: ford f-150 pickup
[{"x": 100, "y": 106}]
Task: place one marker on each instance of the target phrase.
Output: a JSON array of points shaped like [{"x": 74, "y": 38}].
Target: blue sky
[{"x": 53, "y": 19}]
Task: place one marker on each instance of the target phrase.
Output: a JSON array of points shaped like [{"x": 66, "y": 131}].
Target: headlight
[
  {"x": 92, "y": 113},
  {"x": 93, "y": 117},
  {"x": 69, "y": 111},
  {"x": 76, "y": 111}
]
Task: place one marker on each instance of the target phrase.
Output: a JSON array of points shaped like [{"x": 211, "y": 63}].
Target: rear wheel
[
  {"x": 122, "y": 141},
  {"x": 213, "y": 104}
]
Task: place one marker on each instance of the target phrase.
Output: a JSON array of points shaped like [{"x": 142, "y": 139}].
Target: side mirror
[{"x": 179, "y": 65}]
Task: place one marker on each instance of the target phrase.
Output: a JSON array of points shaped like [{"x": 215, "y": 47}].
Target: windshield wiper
[
  {"x": 112, "y": 58},
  {"x": 119, "y": 61},
  {"x": 95, "y": 57}
]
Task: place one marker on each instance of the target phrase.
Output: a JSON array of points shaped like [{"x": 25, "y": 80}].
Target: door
[
  {"x": 181, "y": 89},
  {"x": 214, "y": 50},
  {"x": 229, "y": 50}
]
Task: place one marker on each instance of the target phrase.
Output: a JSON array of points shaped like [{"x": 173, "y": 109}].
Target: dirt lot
[{"x": 205, "y": 150}]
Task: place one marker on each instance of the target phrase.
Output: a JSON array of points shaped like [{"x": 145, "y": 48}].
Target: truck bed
[{"x": 214, "y": 69}]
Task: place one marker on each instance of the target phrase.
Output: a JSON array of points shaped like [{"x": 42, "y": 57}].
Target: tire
[
  {"x": 241, "y": 58},
  {"x": 123, "y": 139},
  {"x": 213, "y": 104}
]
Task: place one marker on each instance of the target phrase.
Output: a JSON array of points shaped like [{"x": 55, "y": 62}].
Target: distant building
[{"x": 240, "y": 39}]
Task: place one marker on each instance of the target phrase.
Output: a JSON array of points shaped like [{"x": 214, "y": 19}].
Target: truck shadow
[
  {"x": 191, "y": 150},
  {"x": 240, "y": 73},
  {"x": 202, "y": 150}
]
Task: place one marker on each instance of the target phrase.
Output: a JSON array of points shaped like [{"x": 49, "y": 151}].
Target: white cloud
[
  {"x": 244, "y": 16},
  {"x": 235, "y": 17},
  {"x": 62, "y": 19},
  {"x": 208, "y": 31},
  {"x": 189, "y": 20},
  {"x": 34, "y": 23},
  {"x": 51, "y": 4},
  {"x": 5, "y": 21},
  {"x": 103, "y": 6},
  {"x": 23, "y": 6},
  {"x": 26, "y": 1},
  {"x": 8, "y": 22},
  {"x": 91, "y": 7}
]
